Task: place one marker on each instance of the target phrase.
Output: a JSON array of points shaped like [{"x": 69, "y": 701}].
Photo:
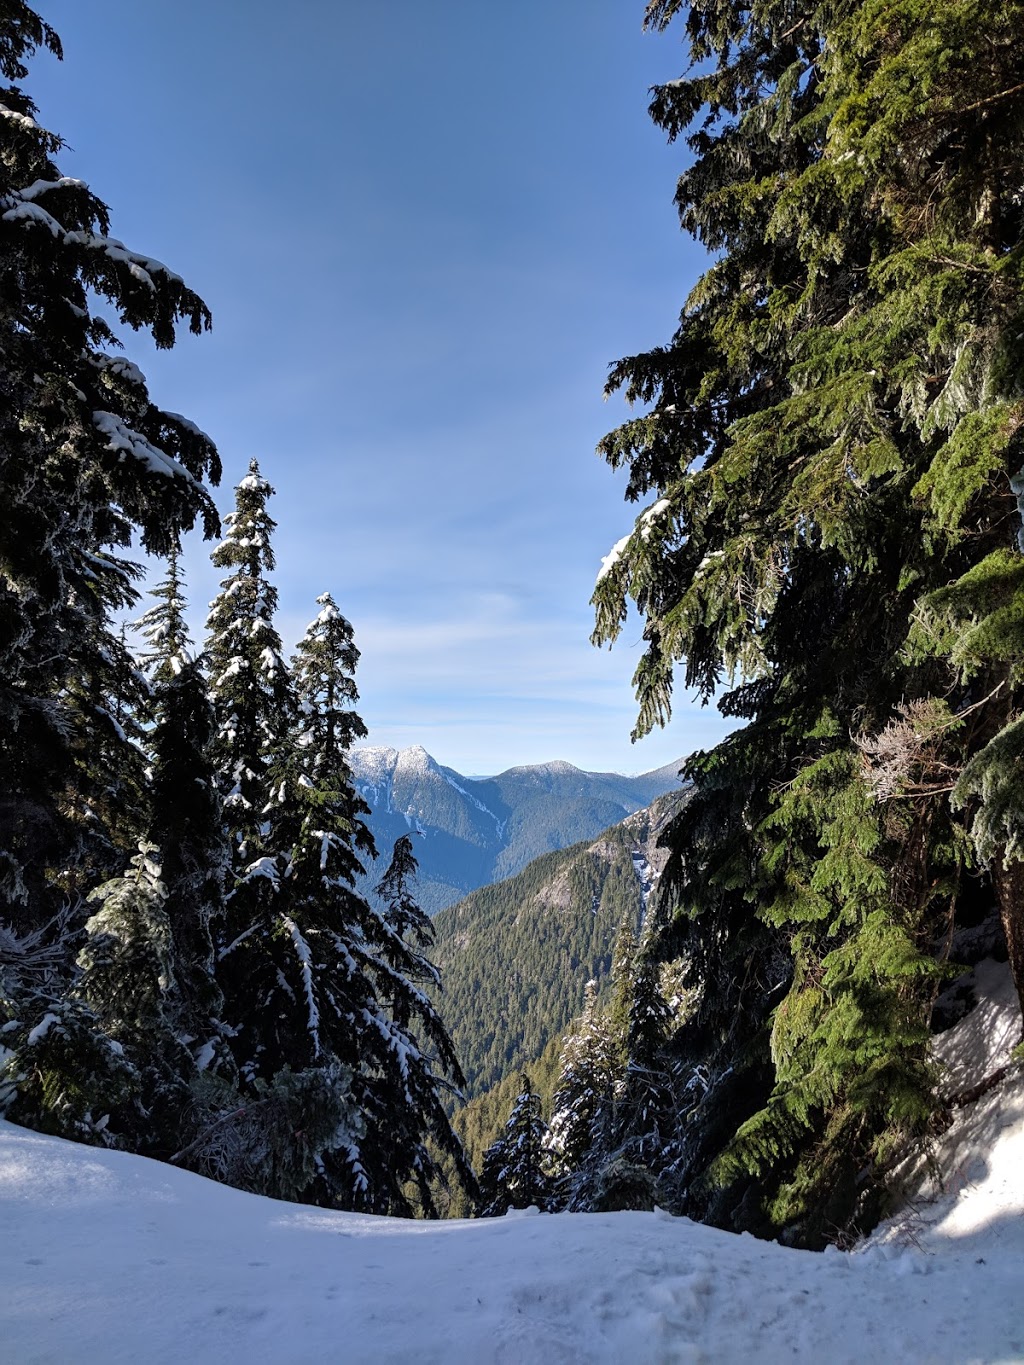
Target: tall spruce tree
[
  {"x": 316, "y": 979},
  {"x": 250, "y": 686},
  {"x": 86, "y": 461},
  {"x": 186, "y": 820},
  {"x": 147, "y": 961},
  {"x": 381, "y": 1021},
  {"x": 515, "y": 1174},
  {"x": 832, "y": 445},
  {"x": 583, "y": 1105}
]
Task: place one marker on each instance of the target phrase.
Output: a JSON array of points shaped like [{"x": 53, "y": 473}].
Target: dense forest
[{"x": 515, "y": 957}]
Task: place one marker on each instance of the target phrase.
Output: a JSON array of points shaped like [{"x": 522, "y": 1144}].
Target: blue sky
[{"x": 424, "y": 232}]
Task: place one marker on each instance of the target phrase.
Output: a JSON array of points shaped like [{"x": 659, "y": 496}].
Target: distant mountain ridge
[{"x": 476, "y": 831}]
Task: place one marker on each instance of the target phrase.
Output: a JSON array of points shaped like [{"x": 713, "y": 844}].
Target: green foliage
[
  {"x": 551, "y": 928},
  {"x": 480, "y": 1121},
  {"x": 126, "y": 962},
  {"x": 87, "y": 463},
  {"x": 60, "y": 1073},
  {"x": 514, "y": 1174},
  {"x": 89, "y": 467},
  {"x": 830, "y": 460},
  {"x": 275, "y": 1143}
]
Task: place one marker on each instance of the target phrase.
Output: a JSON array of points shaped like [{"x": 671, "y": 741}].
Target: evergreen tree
[
  {"x": 186, "y": 818},
  {"x": 514, "y": 1172},
  {"x": 147, "y": 962},
  {"x": 128, "y": 980},
  {"x": 86, "y": 461},
  {"x": 315, "y": 978},
  {"x": 59, "y": 1072},
  {"x": 583, "y": 1107},
  {"x": 253, "y": 754},
  {"x": 251, "y": 691},
  {"x": 645, "y": 1108},
  {"x": 408, "y": 921},
  {"x": 413, "y": 1124},
  {"x": 832, "y": 442},
  {"x": 167, "y": 647}
]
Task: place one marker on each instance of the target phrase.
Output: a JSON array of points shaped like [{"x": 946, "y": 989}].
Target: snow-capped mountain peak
[{"x": 480, "y": 830}]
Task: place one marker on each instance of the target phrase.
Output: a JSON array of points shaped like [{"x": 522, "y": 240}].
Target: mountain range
[{"x": 475, "y": 831}]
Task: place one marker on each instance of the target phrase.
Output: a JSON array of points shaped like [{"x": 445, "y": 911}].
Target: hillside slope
[
  {"x": 477, "y": 831},
  {"x": 515, "y": 956}
]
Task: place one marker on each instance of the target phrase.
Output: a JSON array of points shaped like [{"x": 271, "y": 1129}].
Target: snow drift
[{"x": 112, "y": 1258}]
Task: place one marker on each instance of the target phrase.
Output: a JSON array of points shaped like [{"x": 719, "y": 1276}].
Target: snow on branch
[
  {"x": 306, "y": 961},
  {"x": 39, "y": 187},
  {"x": 122, "y": 440},
  {"x": 22, "y": 120},
  {"x": 21, "y": 206}
]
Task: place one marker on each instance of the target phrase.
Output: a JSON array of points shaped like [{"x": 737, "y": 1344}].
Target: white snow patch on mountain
[
  {"x": 646, "y": 876},
  {"x": 499, "y": 824}
]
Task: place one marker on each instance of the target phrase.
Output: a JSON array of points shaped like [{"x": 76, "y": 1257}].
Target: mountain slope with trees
[{"x": 516, "y": 956}]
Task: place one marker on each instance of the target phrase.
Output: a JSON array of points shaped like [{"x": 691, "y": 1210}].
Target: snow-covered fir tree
[
  {"x": 644, "y": 1105},
  {"x": 166, "y": 646},
  {"x": 86, "y": 461},
  {"x": 411, "y": 929},
  {"x": 127, "y": 966},
  {"x": 315, "y": 977},
  {"x": 412, "y": 1126},
  {"x": 516, "y": 1171},
  {"x": 583, "y": 1105},
  {"x": 147, "y": 962},
  {"x": 399, "y": 1049},
  {"x": 253, "y": 751},
  {"x": 186, "y": 817},
  {"x": 249, "y": 683}
]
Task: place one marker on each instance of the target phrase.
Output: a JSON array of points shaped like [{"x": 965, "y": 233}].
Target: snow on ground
[{"x": 109, "y": 1258}]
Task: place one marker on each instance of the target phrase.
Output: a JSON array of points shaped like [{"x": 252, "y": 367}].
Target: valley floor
[{"x": 108, "y": 1258}]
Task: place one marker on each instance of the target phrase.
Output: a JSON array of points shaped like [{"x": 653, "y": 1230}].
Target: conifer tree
[
  {"x": 316, "y": 979},
  {"x": 249, "y": 682},
  {"x": 253, "y": 752},
  {"x": 413, "y": 1123},
  {"x": 128, "y": 980},
  {"x": 186, "y": 817},
  {"x": 645, "y": 1106},
  {"x": 167, "y": 647},
  {"x": 86, "y": 461},
  {"x": 583, "y": 1105},
  {"x": 60, "y": 1072},
  {"x": 147, "y": 961},
  {"x": 832, "y": 441},
  {"x": 514, "y": 1172}
]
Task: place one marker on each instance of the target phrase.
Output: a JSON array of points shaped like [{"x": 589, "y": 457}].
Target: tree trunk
[{"x": 1009, "y": 888}]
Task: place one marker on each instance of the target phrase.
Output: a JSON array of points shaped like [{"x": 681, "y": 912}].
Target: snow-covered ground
[{"x": 108, "y": 1258}]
